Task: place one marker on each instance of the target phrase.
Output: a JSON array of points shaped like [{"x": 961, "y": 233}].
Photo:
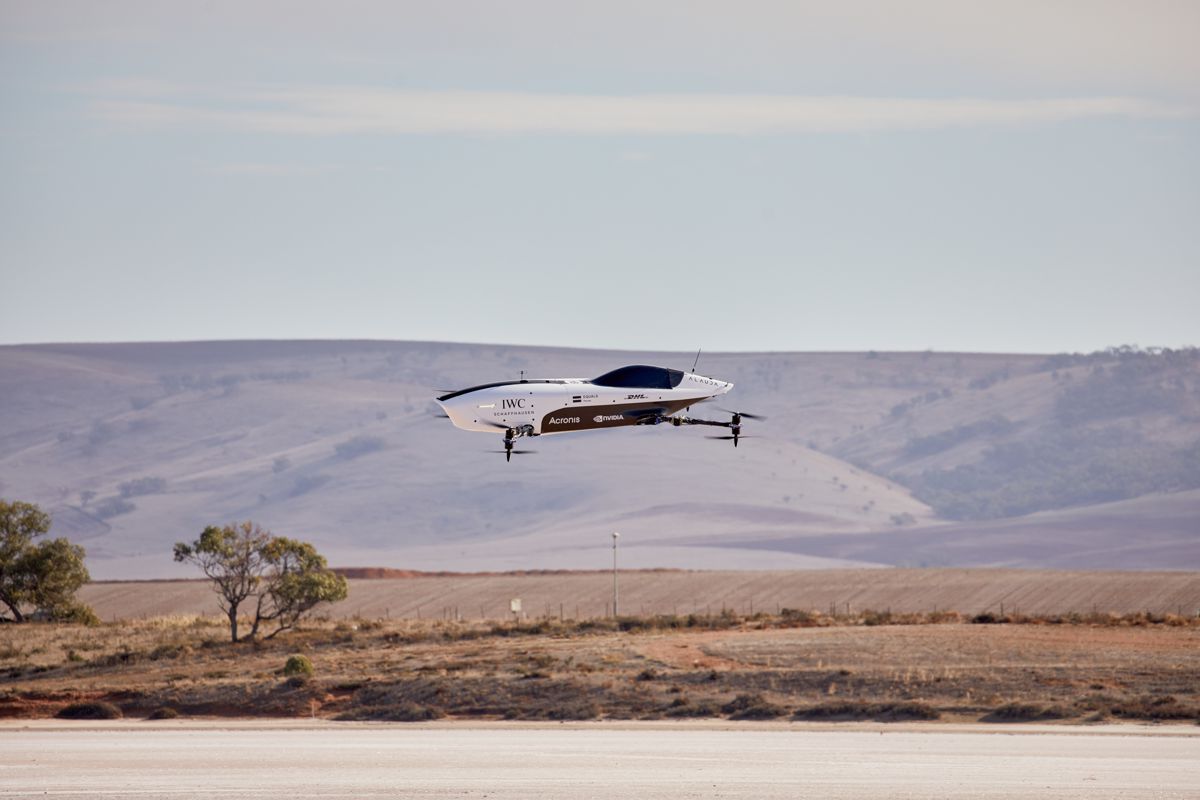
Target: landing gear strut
[{"x": 510, "y": 437}]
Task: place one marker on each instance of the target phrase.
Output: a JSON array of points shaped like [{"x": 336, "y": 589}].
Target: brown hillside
[{"x": 862, "y": 460}]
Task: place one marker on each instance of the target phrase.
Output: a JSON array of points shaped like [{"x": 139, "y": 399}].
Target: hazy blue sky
[{"x": 768, "y": 176}]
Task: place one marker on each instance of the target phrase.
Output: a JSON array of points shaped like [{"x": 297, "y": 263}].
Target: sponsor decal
[
  {"x": 563, "y": 421},
  {"x": 577, "y": 399},
  {"x": 608, "y": 418},
  {"x": 510, "y": 403},
  {"x": 635, "y": 397}
]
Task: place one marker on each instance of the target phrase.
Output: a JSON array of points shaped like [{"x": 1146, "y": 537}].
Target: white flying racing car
[{"x": 634, "y": 395}]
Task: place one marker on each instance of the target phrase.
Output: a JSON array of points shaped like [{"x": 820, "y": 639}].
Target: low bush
[
  {"x": 163, "y": 712},
  {"x": 298, "y": 665},
  {"x": 400, "y": 712},
  {"x": 760, "y": 711},
  {"x": 1161, "y": 708},
  {"x": 752, "y": 706},
  {"x": 880, "y": 712},
  {"x": 582, "y": 709},
  {"x": 686, "y": 710},
  {"x": 1026, "y": 712},
  {"x": 75, "y": 613},
  {"x": 93, "y": 709}
]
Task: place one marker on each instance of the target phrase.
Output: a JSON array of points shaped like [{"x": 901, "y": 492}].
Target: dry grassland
[
  {"x": 583, "y": 595},
  {"x": 796, "y": 665}
]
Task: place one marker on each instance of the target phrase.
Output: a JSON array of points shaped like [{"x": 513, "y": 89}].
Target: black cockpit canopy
[{"x": 640, "y": 376}]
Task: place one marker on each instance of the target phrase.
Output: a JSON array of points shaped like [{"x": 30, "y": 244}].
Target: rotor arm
[
  {"x": 734, "y": 424},
  {"x": 511, "y": 434},
  {"x": 677, "y": 421}
]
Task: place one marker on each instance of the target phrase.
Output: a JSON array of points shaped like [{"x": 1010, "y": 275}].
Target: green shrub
[
  {"x": 75, "y": 613},
  {"x": 298, "y": 665}
]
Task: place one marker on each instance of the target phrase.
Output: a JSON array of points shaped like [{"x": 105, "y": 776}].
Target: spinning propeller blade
[
  {"x": 508, "y": 454},
  {"x": 741, "y": 414}
]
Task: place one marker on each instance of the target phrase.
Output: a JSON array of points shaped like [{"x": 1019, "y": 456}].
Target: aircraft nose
[{"x": 451, "y": 408}]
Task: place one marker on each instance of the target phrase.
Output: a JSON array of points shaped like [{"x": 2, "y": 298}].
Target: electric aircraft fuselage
[{"x": 633, "y": 395}]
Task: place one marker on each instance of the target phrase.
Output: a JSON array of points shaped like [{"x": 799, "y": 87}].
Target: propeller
[
  {"x": 734, "y": 438},
  {"x": 741, "y": 414},
  {"x": 508, "y": 454}
]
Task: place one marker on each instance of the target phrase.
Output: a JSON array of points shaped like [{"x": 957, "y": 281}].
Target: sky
[{"x": 985, "y": 176}]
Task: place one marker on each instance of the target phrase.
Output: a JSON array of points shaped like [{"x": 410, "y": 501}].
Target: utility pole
[{"x": 615, "y": 537}]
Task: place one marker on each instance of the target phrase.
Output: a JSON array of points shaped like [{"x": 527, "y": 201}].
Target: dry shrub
[
  {"x": 122, "y": 658},
  {"x": 760, "y": 711},
  {"x": 163, "y": 712},
  {"x": 704, "y": 708},
  {"x": 1027, "y": 712},
  {"x": 752, "y": 706},
  {"x": 170, "y": 650},
  {"x": 905, "y": 710},
  {"x": 92, "y": 709},
  {"x": 400, "y": 712},
  {"x": 580, "y": 709},
  {"x": 798, "y": 618},
  {"x": 1160, "y": 708},
  {"x": 180, "y": 622}
]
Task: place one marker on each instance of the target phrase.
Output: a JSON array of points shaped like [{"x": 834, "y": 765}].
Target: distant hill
[{"x": 866, "y": 458}]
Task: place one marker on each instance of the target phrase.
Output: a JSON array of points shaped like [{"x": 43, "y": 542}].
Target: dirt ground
[{"x": 764, "y": 667}]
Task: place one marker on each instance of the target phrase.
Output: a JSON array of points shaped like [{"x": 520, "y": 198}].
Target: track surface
[{"x": 198, "y": 760}]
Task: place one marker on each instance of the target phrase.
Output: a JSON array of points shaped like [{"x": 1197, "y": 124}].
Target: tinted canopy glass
[{"x": 641, "y": 377}]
